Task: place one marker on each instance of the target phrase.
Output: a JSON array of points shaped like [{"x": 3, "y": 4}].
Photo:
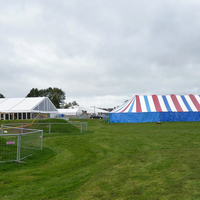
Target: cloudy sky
[{"x": 100, "y": 52}]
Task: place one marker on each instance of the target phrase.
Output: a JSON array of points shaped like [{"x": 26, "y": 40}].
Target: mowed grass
[{"x": 110, "y": 161}]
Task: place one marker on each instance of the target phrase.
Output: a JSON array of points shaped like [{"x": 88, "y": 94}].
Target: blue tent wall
[
  {"x": 133, "y": 117},
  {"x": 179, "y": 116},
  {"x": 153, "y": 117}
]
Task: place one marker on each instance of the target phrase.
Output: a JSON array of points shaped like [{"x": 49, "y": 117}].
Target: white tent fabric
[
  {"x": 78, "y": 110},
  {"x": 24, "y": 108},
  {"x": 32, "y": 104},
  {"x": 70, "y": 111},
  {"x": 158, "y": 108},
  {"x": 92, "y": 110}
]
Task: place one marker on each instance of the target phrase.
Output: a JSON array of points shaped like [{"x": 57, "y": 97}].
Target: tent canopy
[
  {"x": 70, "y": 111},
  {"x": 92, "y": 110},
  {"x": 151, "y": 108},
  {"x": 32, "y": 104}
]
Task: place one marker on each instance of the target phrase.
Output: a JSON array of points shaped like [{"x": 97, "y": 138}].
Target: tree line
[{"x": 56, "y": 95}]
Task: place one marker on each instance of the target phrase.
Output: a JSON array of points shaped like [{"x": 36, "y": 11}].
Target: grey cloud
[{"x": 98, "y": 50}]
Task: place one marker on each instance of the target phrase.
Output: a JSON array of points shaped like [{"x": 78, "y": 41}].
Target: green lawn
[{"x": 110, "y": 161}]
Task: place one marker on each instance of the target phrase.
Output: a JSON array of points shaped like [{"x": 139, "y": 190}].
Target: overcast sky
[{"x": 100, "y": 52}]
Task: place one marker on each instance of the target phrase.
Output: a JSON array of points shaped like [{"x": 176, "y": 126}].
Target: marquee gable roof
[
  {"x": 161, "y": 103},
  {"x": 31, "y": 104}
]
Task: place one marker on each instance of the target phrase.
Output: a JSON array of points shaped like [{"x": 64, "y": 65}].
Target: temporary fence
[
  {"x": 51, "y": 127},
  {"x": 17, "y": 143},
  {"x": 106, "y": 118},
  {"x": 81, "y": 125}
]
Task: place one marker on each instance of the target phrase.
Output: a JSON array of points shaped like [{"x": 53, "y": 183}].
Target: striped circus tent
[{"x": 157, "y": 108}]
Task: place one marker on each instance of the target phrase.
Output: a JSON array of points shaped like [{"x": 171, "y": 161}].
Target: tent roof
[
  {"x": 160, "y": 103},
  {"x": 91, "y": 110},
  {"x": 26, "y": 104},
  {"x": 69, "y": 110}
]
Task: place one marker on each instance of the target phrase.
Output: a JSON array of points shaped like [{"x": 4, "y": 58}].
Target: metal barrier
[
  {"x": 19, "y": 143},
  {"x": 106, "y": 118},
  {"x": 80, "y": 125}
]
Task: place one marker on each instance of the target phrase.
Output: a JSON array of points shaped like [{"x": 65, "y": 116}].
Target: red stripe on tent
[
  {"x": 195, "y": 102},
  {"x": 156, "y": 103},
  {"x": 138, "y": 105},
  {"x": 127, "y": 106},
  {"x": 176, "y": 103}
]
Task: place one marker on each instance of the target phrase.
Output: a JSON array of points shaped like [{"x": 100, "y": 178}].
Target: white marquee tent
[
  {"x": 78, "y": 110},
  {"x": 70, "y": 112},
  {"x": 92, "y": 110},
  {"x": 26, "y": 108}
]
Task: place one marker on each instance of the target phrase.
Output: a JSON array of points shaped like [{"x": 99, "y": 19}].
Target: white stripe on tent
[
  {"x": 143, "y": 104},
  {"x": 162, "y": 103},
  {"x": 127, "y": 108},
  {"x": 184, "y": 108},
  {"x": 120, "y": 108},
  {"x": 197, "y": 98},
  {"x": 134, "y": 106},
  {"x": 133, "y": 100},
  {"x": 131, "y": 106},
  {"x": 190, "y": 103},
  {"x": 171, "y": 104},
  {"x": 151, "y": 103},
  {"x": 116, "y": 110}
]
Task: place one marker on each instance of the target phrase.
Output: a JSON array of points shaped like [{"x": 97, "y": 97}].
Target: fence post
[
  {"x": 49, "y": 127},
  {"x": 41, "y": 139},
  {"x": 22, "y": 128},
  {"x": 18, "y": 147},
  {"x": 1, "y": 129}
]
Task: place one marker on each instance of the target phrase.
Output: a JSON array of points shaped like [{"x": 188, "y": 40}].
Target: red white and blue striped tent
[{"x": 157, "y": 108}]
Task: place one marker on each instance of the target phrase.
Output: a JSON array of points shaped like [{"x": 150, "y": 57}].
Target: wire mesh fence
[
  {"x": 8, "y": 148},
  {"x": 48, "y": 127},
  {"x": 17, "y": 143},
  {"x": 20, "y": 140},
  {"x": 81, "y": 125},
  {"x": 30, "y": 142}
]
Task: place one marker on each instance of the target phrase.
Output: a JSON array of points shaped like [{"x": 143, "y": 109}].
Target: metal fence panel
[
  {"x": 18, "y": 143},
  {"x": 30, "y": 142},
  {"x": 21, "y": 141},
  {"x": 46, "y": 127},
  {"x": 8, "y": 148}
]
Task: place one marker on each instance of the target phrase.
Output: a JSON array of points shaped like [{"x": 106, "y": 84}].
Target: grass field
[{"x": 110, "y": 161}]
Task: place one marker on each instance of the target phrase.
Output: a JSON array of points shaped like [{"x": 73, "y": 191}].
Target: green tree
[
  {"x": 56, "y": 95},
  {"x": 33, "y": 93},
  {"x": 70, "y": 104},
  {"x": 74, "y": 103},
  {"x": 1, "y": 96}
]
